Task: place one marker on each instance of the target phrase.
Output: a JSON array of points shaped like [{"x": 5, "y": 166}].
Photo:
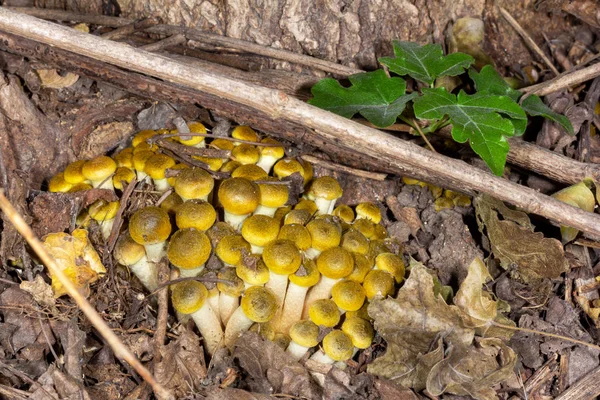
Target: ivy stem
[
  {"x": 418, "y": 128},
  {"x": 552, "y": 335}
]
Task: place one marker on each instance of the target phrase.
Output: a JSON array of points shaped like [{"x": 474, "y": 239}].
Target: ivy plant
[{"x": 484, "y": 119}]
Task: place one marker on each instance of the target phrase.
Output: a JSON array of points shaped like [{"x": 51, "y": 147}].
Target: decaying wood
[
  {"x": 398, "y": 154},
  {"x": 587, "y": 387}
]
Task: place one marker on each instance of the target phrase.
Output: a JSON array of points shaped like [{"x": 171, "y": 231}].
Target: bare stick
[
  {"x": 564, "y": 81},
  {"x": 396, "y": 154},
  {"x": 338, "y": 167},
  {"x": 587, "y": 387},
  {"x": 167, "y": 42},
  {"x": 115, "y": 343},
  {"x": 528, "y": 40},
  {"x": 130, "y": 28},
  {"x": 198, "y": 35}
]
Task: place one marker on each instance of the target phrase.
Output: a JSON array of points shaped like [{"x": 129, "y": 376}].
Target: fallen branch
[
  {"x": 398, "y": 154},
  {"x": 115, "y": 343}
]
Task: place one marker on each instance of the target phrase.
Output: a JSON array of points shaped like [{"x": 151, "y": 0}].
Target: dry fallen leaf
[
  {"x": 580, "y": 196},
  {"x": 529, "y": 255},
  {"x": 432, "y": 345},
  {"x": 76, "y": 257}
]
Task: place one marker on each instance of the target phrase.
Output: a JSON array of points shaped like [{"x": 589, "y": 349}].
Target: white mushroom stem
[
  {"x": 296, "y": 351},
  {"x": 209, "y": 326},
  {"x": 278, "y": 284},
  {"x": 324, "y": 206},
  {"x": 191, "y": 273},
  {"x": 227, "y": 306},
  {"x": 264, "y": 210},
  {"x": 292, "y": 306},
  {"x": 213, "y": 300},
  {"x": 321, "y": 357},
  {"x": 142, "y": 176},
  {"x": 256, "y": 249},
  {"x": 104, "y": 184},
  {"x": 312, "y": 253},
  {"x": 106, "y": 227},
  {"x": 155, "y": 251},
  {"x": 266, "y": 162},
  {"x": 146, "y": 273},
  {"x": 321, "y": 290},
  {"x": 161, "y": 185},
  {"x": 235, "y": 220},
  {"x": 238, "y": 324}
]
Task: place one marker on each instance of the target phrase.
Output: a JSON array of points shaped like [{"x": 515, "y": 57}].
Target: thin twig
[
  {"x": 564, "y": 81},
  {"x": 418, "y": 128},
  {"x": 115, "y": 343},
  {"x": 376, "y": 176},
  {"x": 552, "y": 335},
  {"x": 173, "y": 40},
  {"x": 528, "y": 40},
  {"x": 130, "y": 28},
  {"x": 118, "y": 222}
]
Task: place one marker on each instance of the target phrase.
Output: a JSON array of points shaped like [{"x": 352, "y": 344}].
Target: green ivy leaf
[
  {"x": 479, "y": 119},
  {"x": 489, "y": 81},
  {"x": 425, "y": 63},
  {"x": 533, "y": 105},
  {"x": 377, "y": 97}
]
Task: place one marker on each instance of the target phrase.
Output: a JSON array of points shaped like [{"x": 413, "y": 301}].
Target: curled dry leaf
[
  {"x": 77, "y": 258},
  {"x": 50, "y": 78},
  {"x": 580, "y": 196},
  {"x": 530, "y": 256},
  {"x": 432, "y": 345}
]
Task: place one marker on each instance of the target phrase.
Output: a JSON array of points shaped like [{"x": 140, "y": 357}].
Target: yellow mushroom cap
[
  {"x": 345, "y": 213},
  {"x": 365, "y": 226},
  {"x": 377, "y": 247},
  {"x": 307, "y": 274},
  {"x": 307, "y": 205},
  {"x": 252, "y": 270},
  {"x": 150, "y": 225},
  {"x": 104, "y": 210},
  {"x": 282, "y": 257},
  {"x": 195, "y": 127},
  {"x": 142, "y": 136},
  {"x": 231, "y": 249},
  {"x": 259, "y": 230},
  {"x": 218, "y": 231},
  {"x": 325, "y": 187},
  {"x": 359, "y": 330},
  {"x": 324, "y": 312},
  {"x": 273, "y": 195},
  {"x": 259, "y": 304},
  {"x": 188, "y": 296},
  {"x": 362, "y": 266},
  {"x": 144, "y": 146},
  {"x": 348, "y": 295},
  {"x": 231, "y": 166},
  {"x": 325, "y": 234},
  {"x": 197, "y": 214},
  {"x": 335, "y": 263},
  {"x": 281, "y": 212},
  {"x": 275, "y": 152},
  {"x": 297, "y": 217},
  {"x": 214, "y": 164},
  {"x": 338, "y": 346},
  {"x": 157, "y": 165},
  {"x": 79, "y": 187},
  {"x": 287, "y": 167},
  {"x": 380, "y": 232},
  {"x": 355, "y": 242},
  {"x": 391, "y": 263},
  {"x": 245, "y": 154},
  {"x": 58, "y": 184},
  {"x": 222, "y": 144},
  {"x": 244, "y": 132},
  {"x": 231, "y": 285},
  {"x": 305, "y": 333},
  {"x": 127, "y": 251},
  {"x": 296, "y": 233},
  {"x": 239, "y": 196},
  {"x": 252, "y": 172},
  {"x": 122, "y": 174},
  {"x": 369, "y": 211},
  {"x": 171, "y": 202},
  {"x": 188, "y": 249},
  {"x": 124, "y": 158},
  {"x": 193, "y": 183},
  {"x": 378, "y": 283},
  {"x": 99, "y": 168},
  {"x": 362, "y": 313},
  {"x": 309, "y": 172},
  {"x": 139, "y": 159},
  {"x": 73, "y": 172}
]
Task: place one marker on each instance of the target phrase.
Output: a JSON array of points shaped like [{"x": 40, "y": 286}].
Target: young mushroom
[
  {"x": 272, "y": 196},
  {"x": 303, "y": 279},
  {"x": 360, "y": 332},
  {"x": 190, "y": 298},
  {"x": 230, "y": 289},
  {"x": 197, "y": 214},
  {"x": 239, "y": 198},
  {"x": 378, "y": 284},
  {"x": 99, "y": 170},
  {"x": 324, "y": 191},
  {"x": 231, "y": 249},
  {"x": 348, "y": 295},
  {"x": 73, "y": 173},
  {"x": 282, "y": 257},
  {"x": 337, "y": 346},
  {"x": 324, "y": 235},
  {"x": 156, "y": 167},
  {"x": 188, "y": 250},
  {"x": 252, "y": 270},
  {"x": 304, "y": 335},
  {"x": 151, "y": 227},
  {"x": 104, "y": 213},
  {"x": 258, "y": 304},
  {"x": 194, "y": 183},
  {"x": 259, "y": 230},
  {"x": 324, "y": 313},
  {"x": 269, "y": 155},
  {"x": 133, "y": 255}
]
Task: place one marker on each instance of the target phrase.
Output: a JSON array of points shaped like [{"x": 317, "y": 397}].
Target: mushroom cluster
[{"x": 298, "y": 270}]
